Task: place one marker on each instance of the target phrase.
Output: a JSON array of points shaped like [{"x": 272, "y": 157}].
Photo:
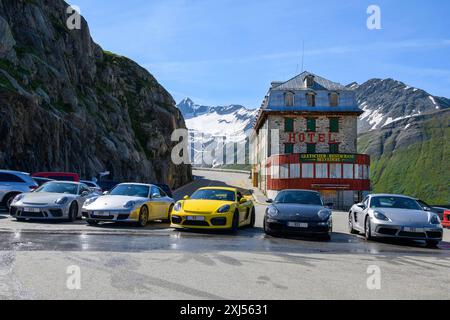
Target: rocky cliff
[{"x": 65, "y": 104}]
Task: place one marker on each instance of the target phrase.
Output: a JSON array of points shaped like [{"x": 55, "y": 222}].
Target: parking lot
[{"x": 156, "y": 262}]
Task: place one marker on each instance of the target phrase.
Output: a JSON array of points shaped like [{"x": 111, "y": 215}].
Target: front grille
[
  {"x": 176, "y": 219},
  {"x": 219, "y": 221},
  {"x": 196, "y": 223},
  {"x": 13, "y": 211},
  {"x": 434, "y": 234},
  {"x": 388, "y": 231},
  {"x": 93, "y": 216},
  {"x": 123, "y": 216},
  {"x": 32, "y": 214},
  {"x": 57, "y": 213},
  {"x": 412, "y": 234},
  {"x": 85, "y": 214}
]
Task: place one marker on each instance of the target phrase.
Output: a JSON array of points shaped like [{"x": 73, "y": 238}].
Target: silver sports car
[
  {"x": 394, "y": 216},
  {"x": 53, "y": 200}
]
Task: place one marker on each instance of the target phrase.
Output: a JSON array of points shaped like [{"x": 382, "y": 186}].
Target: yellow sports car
[{"x": 214, "y": 208}]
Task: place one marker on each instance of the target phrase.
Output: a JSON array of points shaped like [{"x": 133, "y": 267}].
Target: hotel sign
[{"x": 325, "y": 157}]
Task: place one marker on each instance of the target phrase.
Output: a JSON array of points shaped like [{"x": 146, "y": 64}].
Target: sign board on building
[{"x": 325, "y": 157}]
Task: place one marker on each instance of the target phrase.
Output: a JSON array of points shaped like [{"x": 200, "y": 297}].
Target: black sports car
[{"x": 298, "y": 212}]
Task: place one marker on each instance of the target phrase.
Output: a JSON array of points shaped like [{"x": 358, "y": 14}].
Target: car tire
[
  {"x": 350, "y": 224},
  {"x": 8, "y": 200},
  {"x": 432, "y": 243},
  {"x": 368, "y": 229},
  {"x": 143, "y": 217},
  {"x": 252, "y": 218},
  {"x": 266, "y": 231},
  {"x": 235, "y": 223},
  {"x": 168, "y": 220},
  {"x": 73, "y": 211},
  {"x": 93, "y": 222}
]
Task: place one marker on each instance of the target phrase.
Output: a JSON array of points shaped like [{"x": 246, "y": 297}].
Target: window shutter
[{"x": 288, "y": 125}]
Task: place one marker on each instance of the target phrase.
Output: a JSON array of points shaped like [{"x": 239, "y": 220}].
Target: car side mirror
[
  {"x": 243, "y": 200},
  {"x": 85, "y": 193},
  {"x": 269, "y": 201},
  {"x": 186, "y": 198},
  {"x": 156, "y": 196},
  {"x": 105, "y": 193},
  {"x": 426, "y": 208},
  {"x": 361, "y": 205}
]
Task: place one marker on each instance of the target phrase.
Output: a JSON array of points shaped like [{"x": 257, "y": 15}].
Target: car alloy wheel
[
  {"x": 235, "y": 223},
  {"x": 143, "y": 216},
  {"x": 9, "y": 201}
]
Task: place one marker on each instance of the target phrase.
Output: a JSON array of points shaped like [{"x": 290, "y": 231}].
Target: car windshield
[
  {"x": 394, "y": 203},
  {"x": 214, "y": 194},
  {"x": 131, "y": 190},
  {"x": 299, "y": 197},
  {"x": 58, "y": 187}
]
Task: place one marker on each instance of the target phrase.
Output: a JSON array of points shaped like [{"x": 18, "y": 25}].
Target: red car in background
[
  {"x": 59, "y": 176},
  {"x": 446, "y": 220}
]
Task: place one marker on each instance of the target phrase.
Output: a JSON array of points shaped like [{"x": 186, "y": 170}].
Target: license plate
[
  {"x": 31, "y": 210},
  {"x": 102, "y": 213},
  {"x": 297, "y": 225},
  {"x": 195, "y": 218},
  {"x": 407, "y": 229}
]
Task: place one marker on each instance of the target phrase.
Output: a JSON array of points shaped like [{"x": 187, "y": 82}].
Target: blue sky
[{"x": 228, "y": 51}]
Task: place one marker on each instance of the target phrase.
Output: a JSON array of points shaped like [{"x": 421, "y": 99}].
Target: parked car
[
  {"x": 446, "y": 219},
  {"x": 13, "y": 183},
  {"x": 59, "y": 176},
  {"x": 107, "y": 185},
  {"x": 214, "y": 208},
  {"x": 94, "y": 186},
  {"x": 53, "y": 200},
  {"x": 40, "y": 181},
  {"x": 129, "y": 202},
  {"x": 299, "y": 212},
  {"x": 438, "y": 210},
  {"x": 394, "y": 216}
]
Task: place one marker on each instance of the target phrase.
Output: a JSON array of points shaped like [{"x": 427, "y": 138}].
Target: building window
[
  {"x": 311, "y": 99},
  {"x": 288, "y": 125},
  {"x": 348, "y": 171},
  {"x": 275, "y": 171},
  {"x": 322, "y": 170},
  {"x": 288, "y": 148},
  {"x": 334, "y": 148},
  {"x": 309, "y": 81},
  {"x": 284, "y": 171},
  {"x": 310, "y": 148},
  {"x": 295, "y": 170},
  {"x": 289, "y": 99},
  {"x": 334, "y": 124},
  {"x": 359, "y": 171},
  {"x": 334, "y": 99},
  {"x": 307, "y": 170},
  {"x": 311, "y": 124},
  {"x": 335, "y": 170}
]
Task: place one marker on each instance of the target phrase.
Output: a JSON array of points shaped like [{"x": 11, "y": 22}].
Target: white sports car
[
  {"x": 129, "y": 202},
  {"x": 54, "y": 200}
]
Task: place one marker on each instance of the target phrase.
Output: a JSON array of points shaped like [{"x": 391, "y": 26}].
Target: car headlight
[
  {"x": 224, "y": 209},
  {"x": 177, "y": 207},
  {"x": 89, "y": 201},
  {"x": 272, "y": 212},
  {"x": 435, "y": 219},
  {"x": 324, "y": 214},
  {"x": 18, "y": 198},
  {"x": 62, "y": 200},
  {"x": 380, "y": 216},
  {"x": 129, "y": 204}
]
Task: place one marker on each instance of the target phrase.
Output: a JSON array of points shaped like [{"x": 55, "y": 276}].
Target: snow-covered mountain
[
  {"x": 386, "y": 101},
  {"x": 206, "y": 123}
]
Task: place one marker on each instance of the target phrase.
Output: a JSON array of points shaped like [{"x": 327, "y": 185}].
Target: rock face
[
  {"x": 386, "y": 101},
  {"x": 65, "y": 104}
]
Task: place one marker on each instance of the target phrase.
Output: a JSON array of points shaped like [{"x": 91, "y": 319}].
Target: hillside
[
  {"x": 65, "y": 104},
  {"x": 412, "y": 156}
]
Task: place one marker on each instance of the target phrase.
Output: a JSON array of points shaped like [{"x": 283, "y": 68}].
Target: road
[{"x": 121, "y": 262}]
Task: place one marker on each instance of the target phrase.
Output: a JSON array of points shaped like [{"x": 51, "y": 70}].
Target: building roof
[{"x": 298, "y": 83}]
